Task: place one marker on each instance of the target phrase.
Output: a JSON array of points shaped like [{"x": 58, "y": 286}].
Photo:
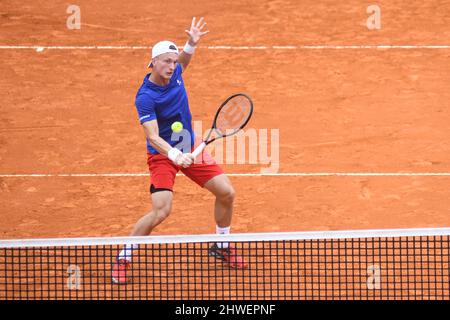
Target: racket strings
[{"x": 233, "y": 116}]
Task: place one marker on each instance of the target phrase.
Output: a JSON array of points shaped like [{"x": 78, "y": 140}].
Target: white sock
[
  {"x": 127, "y": 252},
  {"x": 226, "y": 230}
]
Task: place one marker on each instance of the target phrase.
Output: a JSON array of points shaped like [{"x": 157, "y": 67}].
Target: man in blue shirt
[{"x": 161, "y": 101}]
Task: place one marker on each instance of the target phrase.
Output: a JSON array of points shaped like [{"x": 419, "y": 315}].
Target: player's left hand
[{"x": 196, "y": 31}]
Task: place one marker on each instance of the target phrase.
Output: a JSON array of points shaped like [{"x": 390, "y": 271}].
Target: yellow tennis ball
[{"x": 177, "y": 126}]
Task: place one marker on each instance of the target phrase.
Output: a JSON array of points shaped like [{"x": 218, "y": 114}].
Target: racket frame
[{"x": 205, "y": 142}]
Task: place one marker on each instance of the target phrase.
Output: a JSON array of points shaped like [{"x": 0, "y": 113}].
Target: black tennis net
[{"x": 367, "y": 264}]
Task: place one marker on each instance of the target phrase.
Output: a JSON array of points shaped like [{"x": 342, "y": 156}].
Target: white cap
[{"x": 163, "y": 47}]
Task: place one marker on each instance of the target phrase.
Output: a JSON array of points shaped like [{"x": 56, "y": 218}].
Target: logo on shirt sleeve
[
  {"x": 179, "y": 82},
  {"x": 144, "y": 117}
]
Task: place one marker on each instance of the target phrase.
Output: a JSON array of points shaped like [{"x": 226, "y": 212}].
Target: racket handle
[{"x": 199, "y": 149}]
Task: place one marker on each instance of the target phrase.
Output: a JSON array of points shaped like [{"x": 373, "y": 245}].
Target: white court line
[
  {"x": 287, "y": 174},
  {"x": 288, "y": 47}
]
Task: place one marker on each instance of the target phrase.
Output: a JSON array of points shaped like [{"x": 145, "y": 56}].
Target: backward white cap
[{"x": 163, "y": 47}]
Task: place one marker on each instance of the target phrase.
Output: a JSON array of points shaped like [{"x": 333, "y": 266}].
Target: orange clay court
[{"x": 70, "y": 110}]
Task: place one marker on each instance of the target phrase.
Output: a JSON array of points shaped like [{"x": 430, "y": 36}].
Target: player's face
[{"x": 164, "y": 65}]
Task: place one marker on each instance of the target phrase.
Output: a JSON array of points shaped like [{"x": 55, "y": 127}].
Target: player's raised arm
[
  {"x": 196, "y": 31},
  {"x": 152, "y": 133}
]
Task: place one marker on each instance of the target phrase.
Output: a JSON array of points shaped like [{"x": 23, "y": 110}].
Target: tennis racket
[{"x": 231, "y": 117}]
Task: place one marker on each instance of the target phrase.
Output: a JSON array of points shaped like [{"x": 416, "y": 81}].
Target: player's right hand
[{"x": 184, "y": 160}]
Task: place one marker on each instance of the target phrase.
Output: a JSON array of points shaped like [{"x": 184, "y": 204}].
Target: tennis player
[{"x": 161, "y": 101}]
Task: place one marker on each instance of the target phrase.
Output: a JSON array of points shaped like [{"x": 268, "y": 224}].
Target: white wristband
[
  {"x": 188, "y": 48},
  {"x": 173, "y": 154}
]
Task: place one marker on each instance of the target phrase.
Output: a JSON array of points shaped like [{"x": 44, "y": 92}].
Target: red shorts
[{"x": 163, "y": 170}]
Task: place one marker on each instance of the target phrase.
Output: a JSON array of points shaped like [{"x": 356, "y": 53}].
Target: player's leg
[
  {"x": 224, "y": 192},
  {"x": 210, "y": 176},
  {"x": 162, "y": 206},
  {"x": 207, "y": 174},
  {"x": 163, "y": 174}
]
